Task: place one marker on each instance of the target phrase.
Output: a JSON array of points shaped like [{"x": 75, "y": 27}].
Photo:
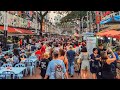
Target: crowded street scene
[{"x": 59, "y": 44}]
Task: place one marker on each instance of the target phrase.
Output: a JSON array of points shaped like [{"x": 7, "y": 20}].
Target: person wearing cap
[{"x": 71, "y": 57}]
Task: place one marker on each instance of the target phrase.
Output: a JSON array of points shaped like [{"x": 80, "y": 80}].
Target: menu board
[{"x": 91, "y": 43}]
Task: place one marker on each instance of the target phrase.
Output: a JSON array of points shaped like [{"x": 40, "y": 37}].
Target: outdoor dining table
[{"x": 16, "y": 70}]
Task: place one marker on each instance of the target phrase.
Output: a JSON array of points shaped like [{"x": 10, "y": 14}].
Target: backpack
[{"x": 58, "y": 71}]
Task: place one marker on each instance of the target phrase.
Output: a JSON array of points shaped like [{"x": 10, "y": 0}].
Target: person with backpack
[
  {"x": 56, "y": 68},
  {"x": 71, "y": 58}
]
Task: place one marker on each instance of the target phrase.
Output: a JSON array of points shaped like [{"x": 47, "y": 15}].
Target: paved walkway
[{"x": 37, "y": 75}]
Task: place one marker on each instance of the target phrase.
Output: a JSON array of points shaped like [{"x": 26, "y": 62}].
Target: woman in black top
[
  {"x": 95, "y": 63},
  {"x": 106, "y": 65}
]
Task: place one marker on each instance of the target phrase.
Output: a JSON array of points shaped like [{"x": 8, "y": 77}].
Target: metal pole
[
  {"x": 98, "y": 27},
  {"x": 91, "y": 21},
  {"x": 82, "y": 23},
  {"x": 36, "y": 23},
  {"x": 5, "y": 30},
  {"x": 80, "y": 26},
  {"x": 87, "y": 20}
]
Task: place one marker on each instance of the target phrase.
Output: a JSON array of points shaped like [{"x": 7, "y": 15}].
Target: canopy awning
[
  {"x": 109, "y": 33},
  {"x": 114, "y": 19},
  {"x": 16, "y": 30}
]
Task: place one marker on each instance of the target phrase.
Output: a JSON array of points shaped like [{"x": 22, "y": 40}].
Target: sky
[{"x": 52, "y": 16}]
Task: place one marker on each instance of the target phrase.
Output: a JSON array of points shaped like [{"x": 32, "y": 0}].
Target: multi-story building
[{"x": 21, "y": 22}]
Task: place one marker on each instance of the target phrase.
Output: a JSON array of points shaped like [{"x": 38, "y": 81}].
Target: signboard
[
  {"x": 108, "y": 16},
  {"x": 91, "y": 43},
  {"x": 16, "y": 21},
  {"x": 98, "y": 17}
]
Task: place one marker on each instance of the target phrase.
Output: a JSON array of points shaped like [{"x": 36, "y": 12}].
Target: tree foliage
[{"x": 76, "y": 15}]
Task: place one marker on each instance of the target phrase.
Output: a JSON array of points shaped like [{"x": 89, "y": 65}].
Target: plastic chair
[
  {"x": 33, "y": 57},
  {"x": 8, "y": 75},
  {"x": 20, "y": 65},
  {"x": 7, "y": 65},
  {"x": 21, "y": 74},
  {"x": 1, "y": 63},
  {"x": 30, "y": 65}
]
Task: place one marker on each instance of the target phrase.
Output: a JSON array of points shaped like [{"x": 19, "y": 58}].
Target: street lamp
[{"x": 108, "y": 37}]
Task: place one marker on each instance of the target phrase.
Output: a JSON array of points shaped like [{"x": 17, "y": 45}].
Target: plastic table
[{"x": 16, "y": 70}]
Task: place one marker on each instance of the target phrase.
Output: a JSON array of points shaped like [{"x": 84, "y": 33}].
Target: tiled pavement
[{"x": 37, "y": 76}]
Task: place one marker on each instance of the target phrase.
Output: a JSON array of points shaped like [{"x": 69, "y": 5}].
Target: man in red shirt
[
  {"x": 38, "y": 53},
  {"x": 42, "y": 49}
]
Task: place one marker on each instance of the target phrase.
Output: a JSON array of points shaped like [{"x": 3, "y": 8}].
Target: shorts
[{"x": 85, "y": 65}]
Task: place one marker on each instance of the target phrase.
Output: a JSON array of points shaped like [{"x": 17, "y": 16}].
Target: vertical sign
[
  {"x": 91, "y": 43},
  {"x": 98, "y": 17}
]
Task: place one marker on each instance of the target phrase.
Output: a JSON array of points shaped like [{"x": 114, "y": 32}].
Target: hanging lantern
[
  {"x": 108, "y": 37},
  {"x": 101, "y": 38},
  {"x": 114, "y": 39},
  {"x": 98, "y": 37}
]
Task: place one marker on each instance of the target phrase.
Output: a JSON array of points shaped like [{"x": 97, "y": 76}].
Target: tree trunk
[{"x": 41, "y": 27}]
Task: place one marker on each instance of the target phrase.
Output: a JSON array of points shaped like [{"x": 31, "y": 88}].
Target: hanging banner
[{"x": 91, "y": 43}]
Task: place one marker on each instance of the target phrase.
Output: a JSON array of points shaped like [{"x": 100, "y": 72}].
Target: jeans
[{"x": 71, "y": 67}]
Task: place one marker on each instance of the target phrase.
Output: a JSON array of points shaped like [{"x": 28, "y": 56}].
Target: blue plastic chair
[
  {"x": 21, "y": 74},
  {"x": 33, "y": 57},
  {"x": 7, "y": 65},
  {"x": 1, "y": 63},
  {"x": 30, "y": 65},
  {"x": 8, "y": 75}
]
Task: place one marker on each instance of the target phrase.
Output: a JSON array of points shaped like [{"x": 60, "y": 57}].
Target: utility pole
[
  {"x": 5, "y": 30},
  {"x": 87, "y": 19},
  {"x": 91, "y": 21},
  {"x": 36, "y": 23},
  {"x": 82, "y": 24}
]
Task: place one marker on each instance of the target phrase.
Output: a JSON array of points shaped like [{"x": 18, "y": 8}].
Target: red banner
[
  {"x": 98, "y": 17},
  {"x": 106, "y": 13}
]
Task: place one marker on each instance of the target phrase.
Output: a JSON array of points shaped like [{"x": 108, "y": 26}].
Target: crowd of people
[
  {"x": 61, "y": 57},
  {"x": 65, "y": 56}
]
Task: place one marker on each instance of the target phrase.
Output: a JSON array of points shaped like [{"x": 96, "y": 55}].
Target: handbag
[
  {"x": 96, "y": 66},
  {"x": 79, "y": 61},
  {"x": 118, "y": 65}
]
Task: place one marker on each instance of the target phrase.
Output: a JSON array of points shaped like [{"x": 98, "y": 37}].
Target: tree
[
  {"x": 76, "y": 15},
  {"x": 40, "y": 19}
]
